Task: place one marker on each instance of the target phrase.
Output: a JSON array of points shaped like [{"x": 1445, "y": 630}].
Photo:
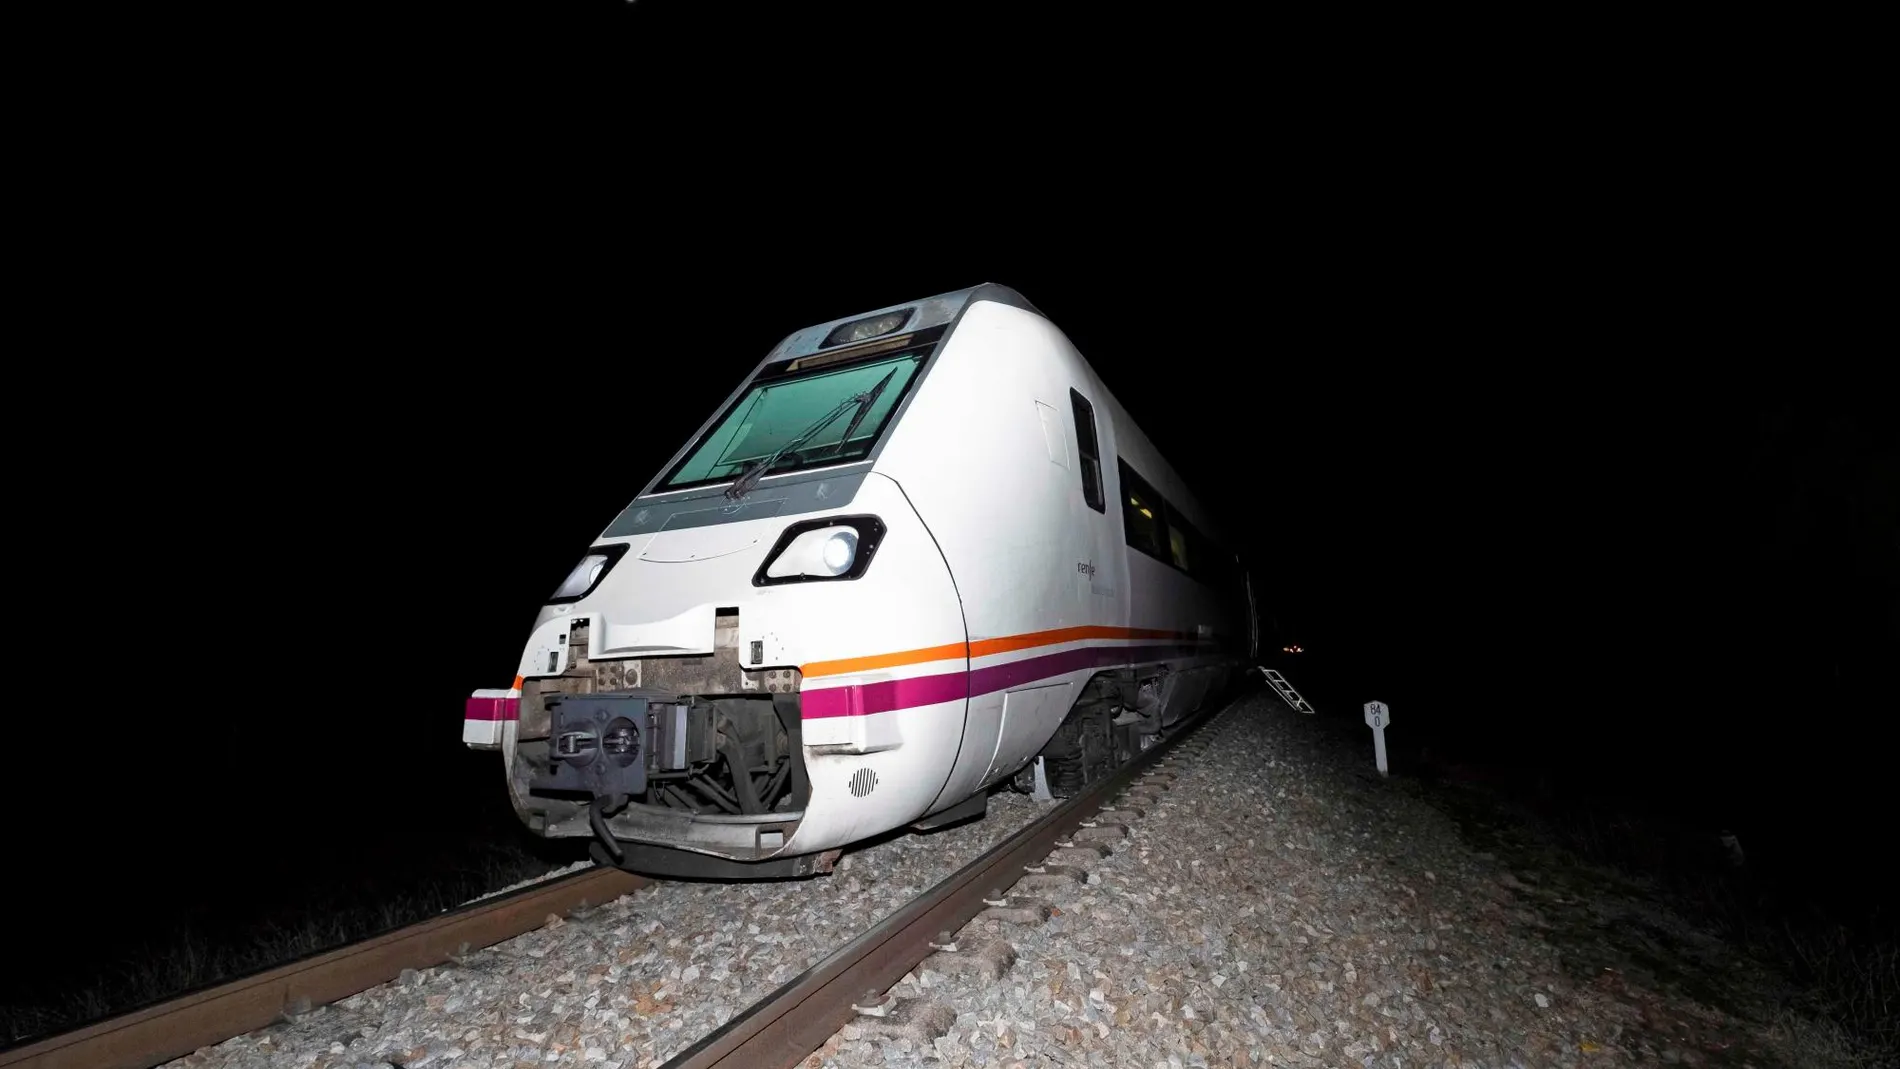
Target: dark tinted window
[
  {"x": 1207, "y": 562},
  {"x": 1090, "y": 452},
  {"x": 1142, "y": 514},
  {"x": 1181, "y": 547},
  {"x": 1154, "y": 527}
]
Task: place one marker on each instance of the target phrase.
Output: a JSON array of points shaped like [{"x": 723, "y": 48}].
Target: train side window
[
  {"x": 1180, "y": 539},
  {"x": 1142, "y": 511},
  {"x": 1090, "y": 452}
]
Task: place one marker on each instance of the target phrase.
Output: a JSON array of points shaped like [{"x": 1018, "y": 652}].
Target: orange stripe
[
  {"x": 517, "y": 685},
  {"x": 885, "y": 660},
  {"x": 982, "y": 647},
  {"x": 985, "y": 647}
]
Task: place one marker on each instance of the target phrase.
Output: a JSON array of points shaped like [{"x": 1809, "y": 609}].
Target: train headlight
[
  {"x": 586, "y": 575},
  {"x": 841, "y": 549},
  {"x": 583, "y": 577},
  {"x": 835, "y": 548}
]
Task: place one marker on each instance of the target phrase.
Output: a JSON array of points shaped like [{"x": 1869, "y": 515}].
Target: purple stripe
[
  {"x": 883, "y": 697},
  {"x": 949, "y": 686},
  {"x": 492, "y": 709}
]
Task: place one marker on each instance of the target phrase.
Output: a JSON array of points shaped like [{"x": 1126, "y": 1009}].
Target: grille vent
[{"x": 863, "y": 782}]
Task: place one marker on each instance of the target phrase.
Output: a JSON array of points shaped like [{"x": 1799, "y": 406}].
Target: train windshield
[{"x": 783, "y": 406}]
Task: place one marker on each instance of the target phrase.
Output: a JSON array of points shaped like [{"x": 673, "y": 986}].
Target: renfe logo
[{"x": 1086, "y": 568}]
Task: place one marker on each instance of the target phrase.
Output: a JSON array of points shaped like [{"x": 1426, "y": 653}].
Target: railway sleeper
[
  {"x": 893, "y": 1018},
  {"x": 1083, "y": 852},
  {"x": 1010, "y": 909},
  {"x": 988, "y": 960},
  {"x": 1100, "y": 833},
  {"x": 1053, "y": 878},
  {"x": 1071, "y": 873}
]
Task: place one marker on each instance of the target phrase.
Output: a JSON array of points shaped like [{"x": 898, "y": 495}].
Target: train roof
[{"x": 929, "y": 312}]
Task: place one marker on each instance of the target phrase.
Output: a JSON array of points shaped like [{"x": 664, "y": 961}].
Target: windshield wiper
[
  {"x": 744, "y": 483},
  {"x": 869, "y": 398}
]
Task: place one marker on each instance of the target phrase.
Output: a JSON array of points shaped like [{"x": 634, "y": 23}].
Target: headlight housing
[
  {"x": 588, "y": 573},
  {"x": 836, "y": 547}
]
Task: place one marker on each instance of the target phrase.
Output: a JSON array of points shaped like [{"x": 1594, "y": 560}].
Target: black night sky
[{"x": 1572, "y": 485}]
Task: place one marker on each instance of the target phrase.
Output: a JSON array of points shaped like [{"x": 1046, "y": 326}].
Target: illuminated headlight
[
  {"x": 820, "y": 554},
  {"x": 583, "y": 577},
  {"x": 837, "y": 548},
  {"x": 841, "y": 548},
  {"x": 586, "y": 575}
]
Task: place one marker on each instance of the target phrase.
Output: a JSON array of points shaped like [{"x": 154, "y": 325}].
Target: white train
[{"x": 914, "y": 552}]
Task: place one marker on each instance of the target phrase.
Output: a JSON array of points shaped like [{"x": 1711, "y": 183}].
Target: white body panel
[
  {"x": 996, "y": 593},
  {"x": 905, "y": 600},
  {"x": 1030, "y": 556}
]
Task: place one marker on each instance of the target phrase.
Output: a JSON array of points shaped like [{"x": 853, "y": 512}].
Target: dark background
[
  {"x": 1574, "y": 463},
  {"x": 1535, "y": 536}
]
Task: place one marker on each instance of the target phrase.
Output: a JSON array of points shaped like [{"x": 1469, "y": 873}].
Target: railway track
[
  {"x": 174, "y": 1028},
  {"x": 781, "y": 1030}
]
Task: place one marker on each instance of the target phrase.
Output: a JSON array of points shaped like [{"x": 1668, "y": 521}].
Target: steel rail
[
  {"x": 784, "y": 1028},
  {"x": 176, "y": 1027}
]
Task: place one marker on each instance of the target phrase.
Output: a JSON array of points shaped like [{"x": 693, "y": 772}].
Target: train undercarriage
[
  {"x": 665, "y": 760},
  {"x": 1117, "y": 716}
]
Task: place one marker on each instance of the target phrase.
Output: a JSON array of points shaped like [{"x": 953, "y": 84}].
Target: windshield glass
[{"x": 779, "y": 408}]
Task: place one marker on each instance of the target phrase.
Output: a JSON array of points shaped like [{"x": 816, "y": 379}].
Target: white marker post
[{"x": 1378, "y": 715}]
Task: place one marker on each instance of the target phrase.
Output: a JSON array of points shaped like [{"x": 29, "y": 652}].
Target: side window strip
[{"x": 1144, "y": 525}]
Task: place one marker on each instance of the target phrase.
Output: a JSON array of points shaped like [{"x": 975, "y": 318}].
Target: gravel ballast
[
  {"x": 1270, "y": 901},
  {"x": 628, "y": 985},
  {"x": 1281, "y": 904}
]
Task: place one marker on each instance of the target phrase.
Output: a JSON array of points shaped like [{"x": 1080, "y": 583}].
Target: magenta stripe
[
  {"x": 949, "y": 686},
  {"x": 883, "y": 697},
  {"x": 491, "y": 709}
]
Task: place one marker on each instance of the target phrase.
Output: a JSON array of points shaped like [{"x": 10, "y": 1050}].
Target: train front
[{"x": 702, "y": 695}]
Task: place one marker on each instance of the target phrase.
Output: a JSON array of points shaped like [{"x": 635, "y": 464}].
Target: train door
[
  {"x": 1071, "y": 508},
  {"x": 1096, "y": 542}
]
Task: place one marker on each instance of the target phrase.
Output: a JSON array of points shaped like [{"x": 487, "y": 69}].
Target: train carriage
[{"x": 916, "y": 554}]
